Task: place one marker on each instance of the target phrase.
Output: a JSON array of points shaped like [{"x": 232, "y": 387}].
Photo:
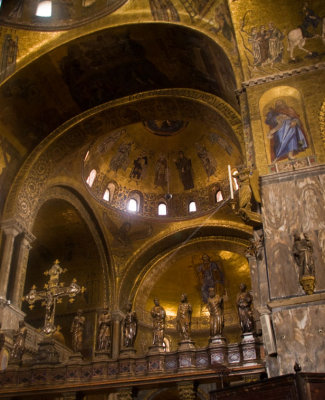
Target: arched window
[
  {"x": 192, "y": 206},
  {"x": 44, "y": 9},
  {"x": 91, "y": 177},
  {"x": 219, "y": 196},
  {"x": 133, "y": 205},
  {"x": 106, "y": 195},
  {"x": 162, "y": 209}
]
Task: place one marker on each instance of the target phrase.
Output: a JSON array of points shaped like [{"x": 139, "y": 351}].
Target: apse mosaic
[{"x": 129, "y": 163}]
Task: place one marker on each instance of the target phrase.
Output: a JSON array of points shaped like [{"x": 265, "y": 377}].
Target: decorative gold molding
[
  {"x": 279, "y": 76},
  {"x": 322, "y": 122}
]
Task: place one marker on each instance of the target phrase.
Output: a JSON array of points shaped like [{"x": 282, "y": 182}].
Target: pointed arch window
[
  {"x": 44, "y": 9},
  {"x": 162, "y": 209},
  {"x": 91, "y": 177},
  {"x": 192, "y": 207}
]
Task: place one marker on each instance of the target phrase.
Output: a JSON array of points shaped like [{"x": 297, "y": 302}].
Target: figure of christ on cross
[{"x": 52, "y": 294}]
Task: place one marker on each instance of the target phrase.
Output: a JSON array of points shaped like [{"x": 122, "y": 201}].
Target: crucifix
[{"x": 52, "y": 294}]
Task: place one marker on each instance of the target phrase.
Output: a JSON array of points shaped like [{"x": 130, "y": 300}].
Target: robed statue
[
  {"x": 244, "y": 307},
  {"x": 19, "y": 339},
  {"x": 77, "y": 331},
  {"x": 302, "y": 251},
  {"x": 158, "y": 320},
  {"x": 129, "y": 327},
  {"x": 184, "y": 318},
  {"x": 104, "y": 331},
  {"x": 303, "y": 254},
  {"x": 215, "y": 307}
]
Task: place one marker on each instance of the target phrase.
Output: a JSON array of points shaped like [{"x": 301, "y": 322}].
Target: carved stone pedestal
[
  {"x": 186, "y": 360},
  {"x": 156, "y": 349},
  {"x": 127, "y": 352},
  {"x": 102, "y": 355},
  {"x": 217, "y": 350},
  {"x": 47, "y": 353},
  {"x": 126, "y": 365},
  {"x": 156, "y": 359},
  {"x": 248, "y": 348},
  {"x": 308, "y": 284},
  {"x": 14, "y": 363},
  {"x": 75, "y": 358},
  {"x": 186, "y": 345}
]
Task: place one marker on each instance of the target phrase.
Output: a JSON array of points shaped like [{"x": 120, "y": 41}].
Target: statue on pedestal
[
  {"x": 184, "y": 318},
  {"x": 19, "y": 342},
  {"x": 158, "y": 319},
  {"x": 104, "y": 331},
  {"x": 77, "y": 330},
  {"x": 249, "y": 193},
  {"x": 129, "y": 327},
  {"x": 302, "y": 251},
  {"x": 244, "y": 307},
  {"x": 215, "y": 307}
]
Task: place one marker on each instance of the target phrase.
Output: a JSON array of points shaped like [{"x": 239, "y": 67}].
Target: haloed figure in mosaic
[{"x": 286, "y": 131}]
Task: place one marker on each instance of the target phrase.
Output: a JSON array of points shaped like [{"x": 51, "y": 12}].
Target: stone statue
[
  {"x": 244, "y": 306},
  {"x": 104, "y": 331},
  {"x": 303, "y": 254},
  {"x": 249, "y": 195},
  {"x": 77, "y": 330},
  {"x": 130, "y": 327},
  {"x": 248, "y": 181},
  {"x": 215, "y": 307},
  {"x": 158, "y": 318},
  {"x": 184, "y": 318},
  {"x": 19, "y": 342},
  {"x": 302, "y": 251}
]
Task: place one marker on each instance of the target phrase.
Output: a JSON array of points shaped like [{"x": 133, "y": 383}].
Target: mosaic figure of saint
[
  {"x": 121, "y": 158},
  {"x": 286, "y": 132},
  {"x": 210, "y": 274},
  {"x": 161, "y": 171},
  {"x": 184, "y": 166},
  {"x": 208, "y": 161}
]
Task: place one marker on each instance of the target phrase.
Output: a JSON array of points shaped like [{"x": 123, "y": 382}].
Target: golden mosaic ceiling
[{"x": 159, "y": 157}]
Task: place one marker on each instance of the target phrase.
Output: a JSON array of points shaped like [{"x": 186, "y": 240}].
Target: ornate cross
[{"x": 53, "y": 294}]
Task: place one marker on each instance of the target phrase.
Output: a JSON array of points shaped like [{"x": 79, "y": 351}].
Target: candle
[{"x": 230, "y": 183}]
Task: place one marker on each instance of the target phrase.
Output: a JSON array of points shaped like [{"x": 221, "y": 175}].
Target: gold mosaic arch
[
  {"x": 44, "y": 42},
  {"x": 67, "y": 194},
  {"x": 233, "y": 233},
  {"x": 35, "y": 172}
]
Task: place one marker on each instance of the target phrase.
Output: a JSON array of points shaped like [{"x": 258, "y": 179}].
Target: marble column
[
  {"x": 20, "y": 275},
  {"x": 11, "y": 230},
  {"x": 257, "y": 265},
  {"x": 117, "y": 317}
]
